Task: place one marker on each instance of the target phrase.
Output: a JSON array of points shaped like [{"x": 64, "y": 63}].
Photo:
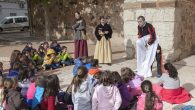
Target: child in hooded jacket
[{"x": 106, "y": 92}]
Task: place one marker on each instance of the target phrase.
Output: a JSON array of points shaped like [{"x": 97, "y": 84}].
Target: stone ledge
[{"x": 157, "y": 4}]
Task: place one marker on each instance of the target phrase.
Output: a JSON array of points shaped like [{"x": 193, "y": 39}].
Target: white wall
[{"x": 7, "y": 8}]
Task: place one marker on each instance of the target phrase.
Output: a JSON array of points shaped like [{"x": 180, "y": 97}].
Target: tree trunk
[
  {"x": 47, "y": 34},
  {"x": 29, "y": 6}
]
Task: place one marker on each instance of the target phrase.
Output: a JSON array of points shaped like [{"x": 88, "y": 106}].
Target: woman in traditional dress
[
  {"x": 79, "y": 27},
  {"x": 103, "y": 33}
]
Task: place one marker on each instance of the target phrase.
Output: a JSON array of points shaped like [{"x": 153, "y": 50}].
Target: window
[
  {"x": 20, "y": 20},
  {"x": 13, "y": 14},
  {"x": 9, "y": 21},
  {"x": 21, "y": 5}
]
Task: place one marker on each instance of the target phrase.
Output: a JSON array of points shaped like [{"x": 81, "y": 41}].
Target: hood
[
  {"x": 50, "y": 51},
  {"x": 84, "y": 87},
  {"x": 93, "y": 71},
  {"x": 107, "y": 91}
]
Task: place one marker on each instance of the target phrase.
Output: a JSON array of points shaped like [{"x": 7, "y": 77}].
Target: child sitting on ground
[
  {"x": 148, "y": 99},
  {"x": 132, "y": 80},
  {"x": 23, "y": 81},
  {"x": 50, "y": 93},
  {"x": 106, "y": 92},
  {"x": 94, "y": 67},
  {"x": 170, "y": 91},
  {"x": 12, "y": 97},
  {"x": 55, "y": 46},
  {"x": 125, "y": 95},
  {"x": 82, "y": 90},
  {"x": 64, "y": 57},
  {"x": 28, "y": 47},
  {"x": 51, "y": 61},
  {"x": 15, "y": 71},
  {"x": 15, "y": 57}
]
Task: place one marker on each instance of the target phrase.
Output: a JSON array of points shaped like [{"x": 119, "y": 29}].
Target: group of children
[
  {"x": 48, "y": 56},
  {"x": 91, "y": 88},
  {"x": 95, "y": 89}
]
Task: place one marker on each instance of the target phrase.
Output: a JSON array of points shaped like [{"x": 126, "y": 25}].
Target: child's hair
[
  {"x": 28, "y": 43},
  {"x": 40, "y": 48},
  {"x": 16, "y": 66},
  {"x": 1, "y": 81},
  {"x": 127, "y": 74},
  {"x": 8, "y": 84},
  {"x": 97, "y": 75},
  {"x": 15, "y": 56},
  {"x": 80, "y": 77},
  {"x": 171, "y": 70},
  {"x": 94, "y": 62},
  {"x": 52, "y": 86},
  {"x": 23, "y": 74},
  {"x": 40, "y": 81},
  {"x": 106, "y": 78},
  {"x": 1, "y": 64},
  {"x": 146, "y": 87},
  {"x": 24, "y": 60},
  {"x": 63, "y": 47},
  {"x": 116, "y": 77}
]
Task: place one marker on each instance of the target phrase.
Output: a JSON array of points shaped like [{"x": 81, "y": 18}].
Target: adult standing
[
  {"x": 146, "y": 47},
  {"x": 103, "y": 33},
  {"x": 79, "y": 27}
]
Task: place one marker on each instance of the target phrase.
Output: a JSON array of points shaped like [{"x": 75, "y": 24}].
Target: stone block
[
  {"x": 140, "y": 12},
  {"x": 169, "y": 14},
  {"x": 158, "y": 16},
  {"x": 128, "y": 15},
  {"x": 164, "y": 28},
  {"x": 164, "y": 3},
  {"x": 131, "y": 1},
  {"x": 148, "y": 5},
  {"x": 150, "y": 13},
  {"x": 130, "y": 5},
  {"x": 166, "y": 42},
  {"x": 130, "y": 28}
]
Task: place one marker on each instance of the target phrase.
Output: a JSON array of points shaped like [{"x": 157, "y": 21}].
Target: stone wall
[
  {"x": 172, "y": 20},
  {"x": 61, "y": 17}
]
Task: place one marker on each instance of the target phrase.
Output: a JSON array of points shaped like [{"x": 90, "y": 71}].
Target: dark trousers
[{"x": 53, "y": 66}]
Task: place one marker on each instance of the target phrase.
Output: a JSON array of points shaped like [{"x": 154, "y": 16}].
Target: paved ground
[{"x": 186, "y": 67}]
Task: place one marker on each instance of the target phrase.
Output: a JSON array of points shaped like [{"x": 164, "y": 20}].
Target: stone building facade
[{"x": 174, "y": 21}]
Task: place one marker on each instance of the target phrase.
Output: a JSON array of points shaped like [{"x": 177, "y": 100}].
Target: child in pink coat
[
  {"x": 148, "y": 95},
  {"x": 106, "y": 95}
]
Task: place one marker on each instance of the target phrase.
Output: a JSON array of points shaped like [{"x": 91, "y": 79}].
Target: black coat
[{"x": 103, "y": 28}]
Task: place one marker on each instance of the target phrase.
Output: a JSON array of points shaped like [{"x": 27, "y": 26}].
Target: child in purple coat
[
  {"x": 132, "y": 80},
  {"x": 125, "y": 95}
]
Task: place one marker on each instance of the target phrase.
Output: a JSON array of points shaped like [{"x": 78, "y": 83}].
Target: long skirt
[
  {"x": 103, "y": 51},
  {"x": 81, "y": 49},
  {"x": 145, "y": 56},
  {"x": 173, "y": 96}
]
